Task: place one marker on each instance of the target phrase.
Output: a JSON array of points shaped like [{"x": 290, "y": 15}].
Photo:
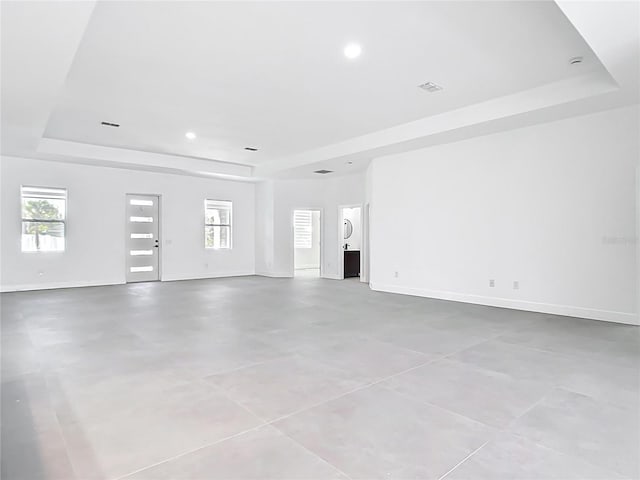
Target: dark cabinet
[{"x": 351, "y": 263}]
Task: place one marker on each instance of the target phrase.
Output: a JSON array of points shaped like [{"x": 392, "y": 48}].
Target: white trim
[
  {"x": 332, "y": 276},
  {"x": 307, "y": 267},
  {"x": 178, "y": 277},
  {"x": 76, "y": 284},
  {"x": 566, "y": 310},
  {"x": 365, "y": 247},
  {"x": 25, "y": 287},
  {"x": 274, "y": 274},
  {"x": 638, "y": 241},
  {"x": 128, "y": 158}
]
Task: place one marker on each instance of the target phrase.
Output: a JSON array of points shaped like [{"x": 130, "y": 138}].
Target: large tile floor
[{"x": 255, "y": 378}]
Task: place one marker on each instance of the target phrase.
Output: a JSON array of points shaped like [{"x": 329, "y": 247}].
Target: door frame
[
  {"x": 160, "y": 234},
  {"x": 341, "y": 237},
  {"x": 365, "y": 251},
  {"x": 293, "y": 234}
]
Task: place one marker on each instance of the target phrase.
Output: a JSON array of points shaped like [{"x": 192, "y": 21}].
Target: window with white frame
[
  {"x": 44, "y": 214},
  {"x": 217, "y": 224},
  {"x": 302, "y": 227}
]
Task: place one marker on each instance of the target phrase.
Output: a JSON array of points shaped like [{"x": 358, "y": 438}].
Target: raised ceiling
[{"x": 272, "y": 75}]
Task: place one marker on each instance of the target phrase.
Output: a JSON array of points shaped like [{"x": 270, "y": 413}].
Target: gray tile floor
[{"x": 256, "y": 378}]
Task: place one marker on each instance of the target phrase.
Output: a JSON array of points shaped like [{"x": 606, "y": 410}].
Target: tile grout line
[
  {"x": 309, "y": 407},
  {"x": 463, "y": 460},
  {"x": 507, "y": 430},
  {"x": 265, "y": 423},
  {"x": 444, "y": 409},
  {"x": 61, "y": 431},
  {"x": 220, "y": 440},
  {"x": 242, "y": 367},
  {"x": 498, "y": 431},
  {"x": 312, "y": 452},
  {"x": 353, "y": 390},
  {"x": 270, "y": 424},
  {"x": 235, "y": 402},
  {"x": 508, "y": 426}
]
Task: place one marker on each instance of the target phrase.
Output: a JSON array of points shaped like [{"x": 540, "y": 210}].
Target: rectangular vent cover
[{"x": 430, "y": 87}]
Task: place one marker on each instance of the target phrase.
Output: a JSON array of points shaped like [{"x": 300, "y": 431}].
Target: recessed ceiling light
[
  {"x": 575, "y": 60},
  {"x": 190, "y": 135},
  {"x": 353, "y": 50}
]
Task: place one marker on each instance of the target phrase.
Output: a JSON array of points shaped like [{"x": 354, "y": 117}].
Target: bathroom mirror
[{"x": 348, "y": 228}]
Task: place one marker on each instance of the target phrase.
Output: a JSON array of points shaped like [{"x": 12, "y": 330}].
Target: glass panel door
[{"x": 142, "y": 242}]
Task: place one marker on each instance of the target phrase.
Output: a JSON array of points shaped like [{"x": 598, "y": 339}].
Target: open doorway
[
  {"x": 351, "y": 241},
  {"x": 306, "y": 243}
]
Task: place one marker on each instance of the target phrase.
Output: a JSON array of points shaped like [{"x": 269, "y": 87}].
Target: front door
[{"x": 143, "y": 242}]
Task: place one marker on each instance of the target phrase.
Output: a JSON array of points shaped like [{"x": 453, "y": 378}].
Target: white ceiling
[{"x": 272, "y": 75}]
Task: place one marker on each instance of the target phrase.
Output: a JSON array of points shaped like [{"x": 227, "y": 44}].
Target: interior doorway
[
  {"x": 350, "y": 241},
  {"x": 307, "y": 252}
]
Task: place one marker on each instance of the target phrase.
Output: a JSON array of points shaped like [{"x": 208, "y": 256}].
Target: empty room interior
[{"x": 320, "y": 240}]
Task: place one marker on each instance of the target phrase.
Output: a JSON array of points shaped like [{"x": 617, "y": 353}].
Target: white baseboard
[
  {"x": 274, "y": 274},
  {"x": 56, "y": 285},
  {"x": 566, "y": 310},
  {"x": 179, "y": 277},
  {"x": 332, "y": 276},
  {"x": 307, "y": 267},
  {"x": 77, "y": 284}
]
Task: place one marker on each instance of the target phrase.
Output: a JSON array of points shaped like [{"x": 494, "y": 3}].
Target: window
[
  {"x": 217, "y": 224},
  {"x": 44, "y": 212},
  {"x": 302, "y": 228}
]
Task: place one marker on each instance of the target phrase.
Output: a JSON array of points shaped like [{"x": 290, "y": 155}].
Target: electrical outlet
[
  {"x": 516, "y": 285},
  {"x": 492, "y": 282},
  {"x": 395, "y": 274}
]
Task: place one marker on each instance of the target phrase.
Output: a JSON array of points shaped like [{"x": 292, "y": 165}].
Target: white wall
[
  {"x": 264, "y": 240},
  {"x": 552, "y": 206},
  {"x": 354, "y": 216},
  {"x": 310, "y": 257},
  {"x": 95, "y": 253},
  {"x": 275, "y": 256}
]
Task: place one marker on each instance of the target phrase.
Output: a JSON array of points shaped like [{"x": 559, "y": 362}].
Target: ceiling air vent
[
  {"x": 430, "y": 87},
  {"x": 109, "y": 124},
  {"x": 323, "y": 172}
]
